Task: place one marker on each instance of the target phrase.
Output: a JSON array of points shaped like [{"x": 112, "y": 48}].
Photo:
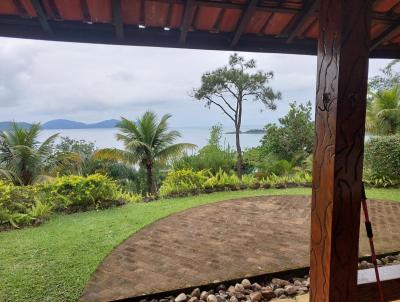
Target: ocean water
[{"x": 105, "y": 138}]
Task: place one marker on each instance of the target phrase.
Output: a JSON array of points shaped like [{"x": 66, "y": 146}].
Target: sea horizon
[{"x": 198, "y": 135}]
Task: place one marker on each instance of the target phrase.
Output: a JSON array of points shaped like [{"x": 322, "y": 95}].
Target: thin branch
[
  {"x": 222, "y": 108},
  {"x": 230, "y": 90},
  {"x": 226, "y": 102}
]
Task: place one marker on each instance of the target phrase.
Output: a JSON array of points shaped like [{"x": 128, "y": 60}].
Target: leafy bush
[
  {"x": 222, "y": 180},
  {"x": 382, "y": 161},
  {"x": 210, "y": 158},
  {"x": 297, "y": 179},
  {"x": 293, "y": 138},
  {"x": 85, "y": 193},
  {"x": 26, "y": 205},
  {"x": 40, "y": 210},
  {"x": 183, "y": 182},
  {"x": 17, "y": 205}
]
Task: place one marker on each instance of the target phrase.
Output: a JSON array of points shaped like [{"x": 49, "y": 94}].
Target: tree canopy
[
  {"x": 228, "y": 87},
  {"x": 293, "y": 138}
]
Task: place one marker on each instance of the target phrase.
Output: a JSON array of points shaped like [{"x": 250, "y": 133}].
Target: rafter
[
  {"x": 384, "y": 35},
  {"x": 142, "y": 18},
  {"x": 192, "y": 26},
  {"x": 37, "y": 5},
  {"x": 186, "y": 20},
  {"x": 298, "y": 21},
  {"x": 54, "y": 10},
  {"x": 117, "y": 19},
  {"x": 308, "y": 28},
  {"x": 85, "y": 11},
  {"x": 217, "y": 23},
  {"x": 20, "y": 7},
  {"x": 169, "y": 16},
  {"x": 381, "y": 17},
  {"x": 244, "y": 20},
  {"x": 266, "y": 23}
]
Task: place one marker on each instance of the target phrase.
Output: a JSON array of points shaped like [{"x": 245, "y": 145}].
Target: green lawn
[{"x": 52, "y": 262}]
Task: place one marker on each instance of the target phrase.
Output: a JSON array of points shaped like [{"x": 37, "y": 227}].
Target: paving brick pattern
[{"x": 222, "y": 241}]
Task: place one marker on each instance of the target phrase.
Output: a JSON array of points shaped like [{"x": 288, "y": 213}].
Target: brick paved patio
[{"x": 222, "y": 241}]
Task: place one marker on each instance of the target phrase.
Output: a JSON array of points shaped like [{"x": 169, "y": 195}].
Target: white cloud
[{"x": 42, "y": 80}]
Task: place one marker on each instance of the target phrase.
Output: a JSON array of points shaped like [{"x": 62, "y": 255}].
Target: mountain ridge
[{"x": 65, "y": 124}]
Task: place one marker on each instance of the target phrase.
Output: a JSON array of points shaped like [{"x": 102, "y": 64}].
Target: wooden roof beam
[
  {"x": 169, "y": 16},
  {"x": 54, "y": 10},
  {"x": 37, "y": 5},
  {"x": 295, "y": 26},
  {"x": 383, "y": 36},
  {"x": 266, "y": 23},
  {"x": 117, "y": 19},
  {"x": 21, "y": 8},
  {"x": 186, "y": 21},
  {"x": 244, "y": 20},
  {"x": 142, "y": 19},
  {"x": 217, "y": 23},
  {"x": 85, "y": 11}
]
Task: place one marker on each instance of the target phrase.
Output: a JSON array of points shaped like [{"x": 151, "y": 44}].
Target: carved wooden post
[{"x": 340, "y": 118}]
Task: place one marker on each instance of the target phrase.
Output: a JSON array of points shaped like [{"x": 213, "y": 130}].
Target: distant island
[
  {"x": 65, "y": 124},
  {"x": 251, "y": 131}
]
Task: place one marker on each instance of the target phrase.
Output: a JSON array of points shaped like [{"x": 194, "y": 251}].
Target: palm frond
[
  {"x": 174, "y": 150},
  {"x": 114, "y": 154}
]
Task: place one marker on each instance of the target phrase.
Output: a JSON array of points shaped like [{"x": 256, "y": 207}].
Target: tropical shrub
[
  {"x": 221, "y": 181},
  {"x": 77, "y": 193},
  {"x": 183, "y": 182},
  {"x": 187, "y": 181},
  {"x": 212, "y": 157},
  {"x": 26, "y": 205},
  {"x": 382, "y": 161},
  {"x": 19, "y": 207},
  {"x": 302, "y": 178}
]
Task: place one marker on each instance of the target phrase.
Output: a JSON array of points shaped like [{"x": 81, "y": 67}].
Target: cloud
[
  {"x": 122, "y": 76},
  {"x": 41, "y": 80}
]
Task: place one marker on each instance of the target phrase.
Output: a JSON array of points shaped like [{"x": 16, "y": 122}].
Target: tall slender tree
[
  {"x": 147, "y": 142},
  {"x": 230, "y": 86}
]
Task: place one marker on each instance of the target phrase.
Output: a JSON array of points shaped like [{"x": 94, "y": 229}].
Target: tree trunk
[
  {"x": 239, "y": 153},
  {"x": 151, "y": 188}
]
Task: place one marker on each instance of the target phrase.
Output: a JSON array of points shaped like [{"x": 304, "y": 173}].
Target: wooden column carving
[{"x": 342, "y": 77}]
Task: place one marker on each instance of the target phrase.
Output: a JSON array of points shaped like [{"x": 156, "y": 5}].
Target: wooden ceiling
[{"x": 281, "y": 26}]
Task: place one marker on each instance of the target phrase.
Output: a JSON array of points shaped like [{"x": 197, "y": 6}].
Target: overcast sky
[{"x": 40, "y": 81}]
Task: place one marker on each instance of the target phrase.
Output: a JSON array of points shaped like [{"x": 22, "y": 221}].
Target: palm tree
[
  {"x": 383, "y": 112},
  {"x": 22, "y": 158},
  {"x": 147, "y": 142}
]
